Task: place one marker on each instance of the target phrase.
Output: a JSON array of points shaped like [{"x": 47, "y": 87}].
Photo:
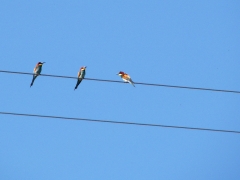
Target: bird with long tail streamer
[
  {"x": 36, "y": 71},
  {"x": 81, "y": 75}
]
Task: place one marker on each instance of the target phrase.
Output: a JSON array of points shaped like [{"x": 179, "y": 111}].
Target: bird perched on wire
[
  {"x": 125, "y": 77},
  {"x": 81, "y": 75},
  {"x": 36, "y": 71}
]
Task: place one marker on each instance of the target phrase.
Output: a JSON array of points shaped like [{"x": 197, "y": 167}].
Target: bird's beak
[
  {"x": 85, "y": 67},
  {"x": 43, "y": 62}
]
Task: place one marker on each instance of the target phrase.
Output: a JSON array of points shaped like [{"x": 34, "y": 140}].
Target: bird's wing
[{"x": 35, "y": 69}]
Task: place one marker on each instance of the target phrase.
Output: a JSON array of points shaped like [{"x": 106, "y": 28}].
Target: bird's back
[{"x": 126, "y": 76}]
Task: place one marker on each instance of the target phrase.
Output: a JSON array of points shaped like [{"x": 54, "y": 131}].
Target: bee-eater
[
  {"x": 125, "y": 77},
  {"x": 81, "y": 75},
  {"x": 36, "y": 71}
]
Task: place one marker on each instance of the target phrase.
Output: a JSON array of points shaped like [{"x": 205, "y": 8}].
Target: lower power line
[{"x": 121, "y": 122}]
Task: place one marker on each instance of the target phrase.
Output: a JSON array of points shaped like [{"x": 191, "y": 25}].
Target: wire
[
  {"x": 140, "y": 83},
  {"x": 122, "y": 122}
]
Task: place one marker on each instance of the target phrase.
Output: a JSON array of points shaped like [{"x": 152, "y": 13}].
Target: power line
[
  {"x": 122, "y": 122},
  {"x": 140, "y": 83}
]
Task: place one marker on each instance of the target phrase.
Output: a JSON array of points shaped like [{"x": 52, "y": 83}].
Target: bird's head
[
  {"x": 83, "y": 68},
  {"x": 40, "y": 63},
  {"x": 121, "y": 73}
]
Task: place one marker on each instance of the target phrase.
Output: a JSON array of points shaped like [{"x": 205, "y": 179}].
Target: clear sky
[{"x": 188, "y": 43}]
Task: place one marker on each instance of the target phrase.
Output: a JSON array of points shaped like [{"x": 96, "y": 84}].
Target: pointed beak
[{"x": 43, "y": 62}]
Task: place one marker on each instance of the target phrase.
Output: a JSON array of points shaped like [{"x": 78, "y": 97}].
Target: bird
[
  {"x": 125, "y": 77},
  {"x": 36, "y": 71},
  {"x": 81, "y": 75}
]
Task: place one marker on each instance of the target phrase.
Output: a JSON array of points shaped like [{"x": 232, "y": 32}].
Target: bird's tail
[
  {"x": 131, "y": 82},
  {"x": 33, "y": 79},
  {"x": 78, "y": 82}
]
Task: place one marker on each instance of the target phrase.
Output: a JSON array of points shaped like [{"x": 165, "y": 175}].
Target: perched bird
[
  {"x": 36, "y": 71},
  {"x": 81, "y": 75},
  {"x": 125, "y": 77}
]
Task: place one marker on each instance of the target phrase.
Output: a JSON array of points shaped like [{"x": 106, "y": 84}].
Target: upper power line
[
  {"x": 122, "y": 122},
  {"x": 140, "y": 83}
]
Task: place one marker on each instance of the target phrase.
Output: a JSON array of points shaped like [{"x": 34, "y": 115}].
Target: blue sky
[{"x": 188, "y": 43}]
